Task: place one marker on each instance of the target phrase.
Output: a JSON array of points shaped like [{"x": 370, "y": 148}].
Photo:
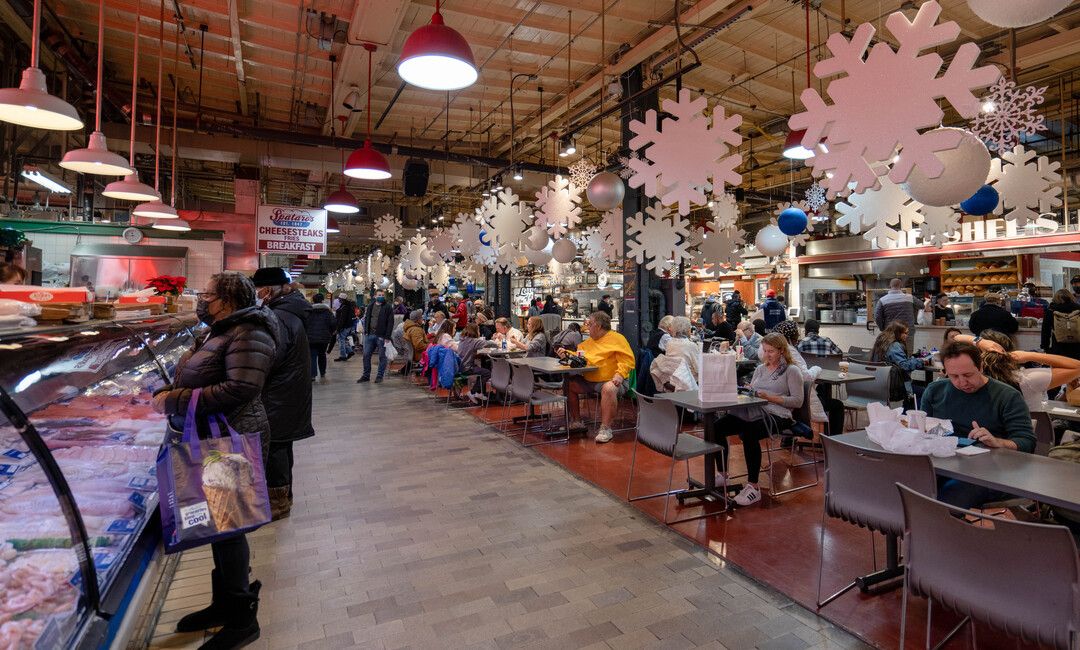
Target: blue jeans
[
  {"x": 344, "y": 346},
  {"x": 967, "y": 495},
  {"x": 372, "y": 344}
]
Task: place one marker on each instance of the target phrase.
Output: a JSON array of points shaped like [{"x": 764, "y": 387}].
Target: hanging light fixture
[
  {"x": 340, "y": 201},
  {"x": 177, "y": 224},
  {"x": 437, "y": 57},
  {"x": 793, "y": 147},
  {"x": 130, "y": 188},
  {"x": 96, "y": 158},
  {"x": 517, "y": 173},
  {"x": 158, "y": 209},
  {"x": 31, "y": 104},
  {"x": 366, "y": 162},
  {"x": 332, "y": 226}
]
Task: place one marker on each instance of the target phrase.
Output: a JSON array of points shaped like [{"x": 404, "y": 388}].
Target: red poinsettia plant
[{"x": 167, "y": 285}]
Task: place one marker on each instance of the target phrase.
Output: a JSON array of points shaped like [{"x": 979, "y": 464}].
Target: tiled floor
[{"x": 417, "y": 527}]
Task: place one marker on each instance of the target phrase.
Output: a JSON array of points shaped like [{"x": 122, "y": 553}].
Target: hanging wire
[
  {"x": 157, "y": 128},
  {"x": 175, "y": 101},
  {"x": 134, "y": 85}
]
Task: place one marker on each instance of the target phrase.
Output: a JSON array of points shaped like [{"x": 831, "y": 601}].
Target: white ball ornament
[
  {"x": 564, "y": 250},
  {"x": 605, "y": 191},
  {"x": 409, "y": 284},
  {"x": 429, "y": 257},
  {"x": 966, "y": 169},
  {"x": 771, "y": 241},
  {"x": 1018, "y": 13},
  {"x": 537, "y": 238}
]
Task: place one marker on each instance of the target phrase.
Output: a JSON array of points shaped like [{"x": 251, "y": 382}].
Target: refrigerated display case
[{"x": 78, "y": 494}]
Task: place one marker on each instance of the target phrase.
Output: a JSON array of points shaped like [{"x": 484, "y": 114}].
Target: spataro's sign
[{"x": 286, "y": 229}]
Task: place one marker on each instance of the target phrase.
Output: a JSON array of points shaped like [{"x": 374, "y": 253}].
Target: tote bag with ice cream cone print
[{"x": 210, "y": 488}]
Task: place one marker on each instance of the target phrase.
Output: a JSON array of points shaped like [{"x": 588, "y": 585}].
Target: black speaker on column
[{"x": 415, "y": 177}]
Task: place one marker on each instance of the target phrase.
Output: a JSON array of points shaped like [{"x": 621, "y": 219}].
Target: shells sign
[{"x": 288, "y": 229}]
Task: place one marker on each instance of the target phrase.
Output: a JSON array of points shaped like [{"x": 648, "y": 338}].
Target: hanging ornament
[
  {"x": 771, "y": 241},
  {"x": 792, "y": 221},
  {"x": 966, "y": 167},
  {"x": 558, "y": 206},
  {"x": 885, "y": 99},
  {"x": 611, "y": 227},
  {"x": 581, "y": 172},
  {"x": 1009, "y": 112},
  {"x": 467, "y": 234},
  {"x": 625, "y": 171},
  {"x": 564, "y": 250},
  {"x": 1002, "y": 13},
  {"x": 684, "y": 151},
  {"x": 605, "y": 191},
  {"x": 1027, "y": 187},
  {"x": 815, "y": 198},
  {"x": 505, "y": 220},
  {"x": 387, "y": 229},
  {"x": 536, "y": 238},
  {"x": 981, "y": 202},
  {"x": 593, "y": 249},
  {"x": 879, "y": 215},
  {"x": 656, "y": 239},
  {"x": 718, "y": 248}
]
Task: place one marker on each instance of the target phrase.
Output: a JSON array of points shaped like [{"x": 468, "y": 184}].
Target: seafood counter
[{"x": 87, "y": 398}]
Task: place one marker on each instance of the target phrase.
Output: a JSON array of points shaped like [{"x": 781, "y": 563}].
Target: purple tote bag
[{"x": 210, "y": 489}]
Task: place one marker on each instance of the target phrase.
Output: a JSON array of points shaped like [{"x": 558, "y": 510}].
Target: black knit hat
[{"x": 271, "y": 276}]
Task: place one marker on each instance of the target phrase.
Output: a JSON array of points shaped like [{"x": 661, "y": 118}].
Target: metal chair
[
  {"x": 861, "y": 353},
  {"x": 802, "y": 415},
  {"x": 658, "y": 429},
  {"x": 523, "y": 389},
  {"x": 961, "y": 565},
  {"x": 860, "y": 488},
  {"x": 862, "y": 393},
  {"x": 552, "y": 323},
  {"x": 412, "y": 368},
  {"x": 1045, "y": 438},
  {"x": 826, "y": 362},
  {"x": 499, "y": 385}
]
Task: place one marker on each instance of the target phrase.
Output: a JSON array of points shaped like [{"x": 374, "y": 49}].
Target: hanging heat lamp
[
  {"x": 332, "y": 226},
  {"x": 130, "y": 188},
  {"x": 437, "y": 57},
  {"x": 158, "y": 209},
  {"x": 793, "y": 146},
  {"x": 367, "y": 163},
  {"x": 96, "y": 158},
  {"x": 31, "y": 104},
  {"x": 340, "y": 201}
]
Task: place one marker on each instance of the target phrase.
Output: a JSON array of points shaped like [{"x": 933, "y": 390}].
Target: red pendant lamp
[
  {"x": 793, "y": 146},
  {"x": 340, "y": 201},
  {"x": 437, "y": 57},
  {"x": 367, "y": 163}
]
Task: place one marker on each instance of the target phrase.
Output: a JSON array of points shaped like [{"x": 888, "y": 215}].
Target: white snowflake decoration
[
  {"x": 626, "y": 172},
  {"x": 1026, "y": 187},
  {"x": 582, "y": 172},
  {"x": 721, "y": 246},
  {"x": 440, "y": 275},
  {"x": 485, "y": 256},
  {"x": 506, "y": 219},
  {"x": 725, "y": 211},
  {"x": 442, "y": 241},
  {"x": 874, "y": 213},
  {"x": 656, "y": 239},
  {"x": 684, "y": 151},
  {"x": 594, "y": 249},
  {"x": 611, "y": 229},
  {"x": 387, "y": 228},
  {"x": 885, "y": 98},
  {"x": 939, "y": 225},
  {"x": 1012, "y": 113},
  {"x": 467, "y": 233},
  {"x": 815, "y": 198},
  {"x": 558, "y": 206},
  {"x": 804, "y": 236}
]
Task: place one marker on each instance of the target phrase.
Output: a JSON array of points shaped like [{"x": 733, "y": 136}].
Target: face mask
[
  {"x": 202, "y": 311},
  {"x": 380, "y": 300}
]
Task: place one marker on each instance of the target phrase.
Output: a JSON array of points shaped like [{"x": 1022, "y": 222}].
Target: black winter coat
[
  {"x": 287, "y": 392},
  {"x": 385, "y": 327},
  {"x": 231, "y": 365},
  {"x": 346, "y": 315},
  {"x": 734, "y": 311},
  {"x": 992, "y": 317},
  {"x": 321, "y": 325}
]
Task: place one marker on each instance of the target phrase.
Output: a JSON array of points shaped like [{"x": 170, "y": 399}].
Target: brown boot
[{"x": 280, "y": 503}]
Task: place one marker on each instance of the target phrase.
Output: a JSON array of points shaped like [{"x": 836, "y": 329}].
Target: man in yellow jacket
[{"x": 611, "y": 354}]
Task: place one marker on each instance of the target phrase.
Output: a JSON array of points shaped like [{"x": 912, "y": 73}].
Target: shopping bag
[
  {"x": 716, "y": 377},
  {"x": 390, "y": 352},
  {"x": 210, "y": 489}
]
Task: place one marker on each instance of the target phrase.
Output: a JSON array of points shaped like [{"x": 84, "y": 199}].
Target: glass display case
[{"x": 78, "y": 494}]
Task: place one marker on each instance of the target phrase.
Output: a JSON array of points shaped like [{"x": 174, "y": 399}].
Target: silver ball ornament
[{"x": 605, "y": 191}]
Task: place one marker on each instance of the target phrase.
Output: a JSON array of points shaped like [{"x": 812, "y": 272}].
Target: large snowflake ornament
[
  {"x": 725, "y": 211},
  {"x": 611, "y": 229},
  {"x": 594, "y": 249},
  {"x": 719, "y": 247},
  {"x": 439, "y": 275},
  {"x": 1009, "y": 112},
  {"x": 412, "y": 254},
  {"x": 885, "y": 98},
  {"x": 627, "y": 171},
  {"x": 939, "y": 225},
  {"x": 815, "y": 198},
  {"x": 388, "y": 228},
  {"x": 443, "y": 242},
  {"x": 506, "y": 219},
  {"x": 467, "y": 232},
  {"x": 657, "y": 240},
  {"x": 485, "y": 256},
  {"x": 683, "y": 152},
  {"x": 558, "y": 206},
  {"x": 803, "y": 237},
  {"x": 1026, "y": 187},
  {"x": 874, "y": 213},
  {"x": 582, "y": 172}
]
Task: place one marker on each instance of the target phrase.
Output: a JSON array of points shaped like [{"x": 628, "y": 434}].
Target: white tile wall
[{"x": 205, "y": 257}]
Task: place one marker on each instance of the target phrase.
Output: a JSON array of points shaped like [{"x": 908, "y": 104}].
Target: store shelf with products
[
  {"x": 77, "y": 428},
  {"x": 977, "y": 275}
]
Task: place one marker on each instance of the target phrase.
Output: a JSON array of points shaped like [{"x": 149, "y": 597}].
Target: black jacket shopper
[{"x": 287, "y": 393}]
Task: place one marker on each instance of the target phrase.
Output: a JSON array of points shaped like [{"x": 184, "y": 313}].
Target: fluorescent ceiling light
[{"x": 45, "y": 180}]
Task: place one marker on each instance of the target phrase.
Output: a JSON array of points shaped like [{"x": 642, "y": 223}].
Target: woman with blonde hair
[
  {"x": 779, "y": 382},
  {"x": 535, "y": 341}
]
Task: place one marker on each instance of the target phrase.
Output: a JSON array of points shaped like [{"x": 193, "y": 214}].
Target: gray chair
[
  {"x": 860, "y": 488},
  {"x": 552, "y": 324},
  {"x": 658, "y": 425},
  {"x": 859, "y": 353},
  {"x": 801, "y": 414},
  {"x": 974, "y": 570},
  {"x": 826, "y": 362},
  {"x": 499, "y": 385},
  {"x": 523, "y": 389},
  {"x": 862, "y": 393},
  {"x": 411, "y": 367}
]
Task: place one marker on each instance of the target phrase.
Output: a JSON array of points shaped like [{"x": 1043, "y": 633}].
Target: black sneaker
[
  {"x": 363, "y": 380},
  {"x": 341, "y": 359},
  {"x": 378, "y": 380}
]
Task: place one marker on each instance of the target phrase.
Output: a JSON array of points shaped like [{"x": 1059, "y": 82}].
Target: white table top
[
  {"x": 550, "y": 366},
  {"x": 1062, "y": 410}
]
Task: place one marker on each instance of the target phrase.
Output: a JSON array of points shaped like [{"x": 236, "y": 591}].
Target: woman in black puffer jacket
[{"x": 230, "y": 365}]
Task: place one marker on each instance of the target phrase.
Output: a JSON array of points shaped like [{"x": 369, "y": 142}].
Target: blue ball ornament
[
  {"x": 484, "y": 238},
  {"x": 981, "y": 202},
  {"x": 792, "y": 221}
]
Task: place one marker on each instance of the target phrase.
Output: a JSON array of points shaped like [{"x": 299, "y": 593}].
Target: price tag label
[
  {"x": 15, "y": 454},
  {"x": 138, "y": 500},
  {"x": 145, "y": 484},
  {"x": 123, "y": 526}
]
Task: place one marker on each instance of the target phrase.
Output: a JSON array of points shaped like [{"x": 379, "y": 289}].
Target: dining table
[
  {"x": 551, "y": 366},
  {"x": 1062, "y": 410}
]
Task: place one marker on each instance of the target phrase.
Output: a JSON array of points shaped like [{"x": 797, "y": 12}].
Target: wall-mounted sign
[{"x": 287, "y": 229}]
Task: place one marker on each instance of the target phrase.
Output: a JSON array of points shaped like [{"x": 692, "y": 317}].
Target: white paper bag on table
[{"x": 717, "y": 380}]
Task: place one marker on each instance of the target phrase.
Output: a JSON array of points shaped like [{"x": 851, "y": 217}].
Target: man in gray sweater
[
  {"x": 897, "y": 306},
  {"x": 986, "y": 410}
]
